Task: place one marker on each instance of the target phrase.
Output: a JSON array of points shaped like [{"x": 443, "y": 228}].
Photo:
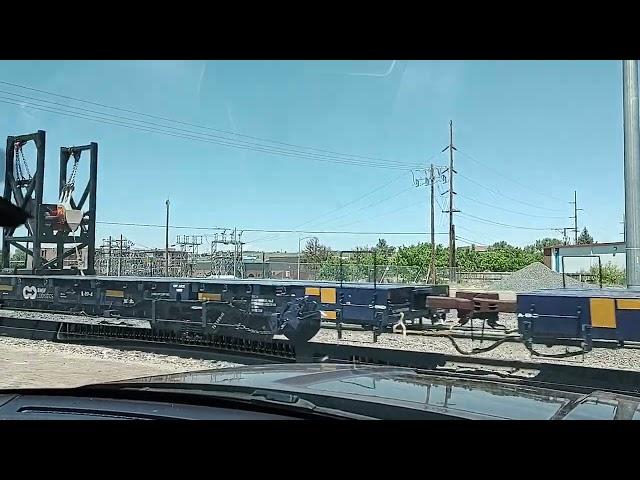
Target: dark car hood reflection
[{"x": 467, "y": 398}]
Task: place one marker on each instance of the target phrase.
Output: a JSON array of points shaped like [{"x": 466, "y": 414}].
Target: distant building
[
  {"x": 475, "y": 248},
  {"x": 75, "y": 260},
  {"x": 260, "y": 265},
  {"x": 580, "y": 258}
]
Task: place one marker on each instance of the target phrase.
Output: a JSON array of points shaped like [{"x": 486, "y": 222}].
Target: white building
[{"x": 580, "y": 258}]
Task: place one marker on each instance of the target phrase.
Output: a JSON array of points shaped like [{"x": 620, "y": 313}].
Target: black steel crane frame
[
  {"x": 30, "y": 199},
  {"x": 39, "y": 228}
]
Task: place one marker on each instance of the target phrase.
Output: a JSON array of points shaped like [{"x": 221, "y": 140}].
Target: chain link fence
[
  {"x": 154, "y": 266},
  {"x": 365, "y": 273}
]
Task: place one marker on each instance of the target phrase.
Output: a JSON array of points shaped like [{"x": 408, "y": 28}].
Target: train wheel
[
  {"x": 303, "y": 321},
  {"x": 305, "y": 331}
]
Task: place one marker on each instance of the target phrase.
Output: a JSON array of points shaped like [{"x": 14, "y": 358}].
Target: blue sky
[{"x": 530, "y": 131}]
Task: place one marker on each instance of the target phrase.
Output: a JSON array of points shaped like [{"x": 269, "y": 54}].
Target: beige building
[{"x": 78, "y": 260}]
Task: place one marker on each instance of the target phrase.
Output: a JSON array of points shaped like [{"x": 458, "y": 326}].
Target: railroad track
[
  {"x": 282, "y": 351},
  {"x": 276, "y": 350},
  {"x": 481, "y": 335}
]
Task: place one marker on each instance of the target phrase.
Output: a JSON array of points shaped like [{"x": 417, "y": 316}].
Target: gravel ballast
[
  {"x": 628, "y": 359},
  {"x": 536, "y": 276},
  {"x": 39, "y": 363}
]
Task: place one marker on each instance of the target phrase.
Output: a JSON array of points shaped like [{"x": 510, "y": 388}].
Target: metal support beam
[
  {"x": 631, "y": 171},
  {"x": 87, "y": 234},
  {"x": 27, "y": 193}
]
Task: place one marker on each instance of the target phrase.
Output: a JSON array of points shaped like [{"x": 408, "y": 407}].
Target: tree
[
  {"x": 543, "y": 243},
  {"x": 384, "y": 251},
  {"x": 315, "y": 252},
  {"x": 18, "y": 256},
  {"x": 585, "y": 237},
  {"x": 499, "y": 245},
  {"x": 611, "y": 274}
]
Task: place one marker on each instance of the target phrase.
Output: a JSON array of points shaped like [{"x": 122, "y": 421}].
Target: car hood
[{"x": 462, "y": 397}]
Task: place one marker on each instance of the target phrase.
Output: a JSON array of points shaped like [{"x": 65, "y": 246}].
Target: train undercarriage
[{"x": 198, "y": 308}]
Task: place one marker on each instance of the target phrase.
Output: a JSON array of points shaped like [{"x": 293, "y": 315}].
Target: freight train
[{"x": 190, "y": 307}]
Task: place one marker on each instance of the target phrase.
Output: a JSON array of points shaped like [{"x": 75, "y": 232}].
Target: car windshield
[{"x": 162, "y": 217}]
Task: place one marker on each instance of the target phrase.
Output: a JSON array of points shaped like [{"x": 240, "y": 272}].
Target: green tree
[
  {"x": 412, "y": 262},
  {"x": 315, "y": 252},
  {"x": 585, "y": 237},
  {"x": 611, "y": 274},
  {"x": 384, "y": 251},
  {"x": 543, "y": 243},
  {"x": 18, "y": 256}
]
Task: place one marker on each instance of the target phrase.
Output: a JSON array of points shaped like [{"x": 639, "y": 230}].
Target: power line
[
  {"x": 263, "y": 230},
  {"x": 472, "y": 232},
  {"x": 469, "y": 241},
  {"x": 484, "y": 220},
  {"x": 355, "y": 211},
  {"x": 496, "y": 192},
  {"x": 331, "y": 152},
  {"x": 403, "y": 207},
  {"x": 508, "y": 210},
  {"x": 371, "y": 192},
  {"x": 313, "y": 220},
  {"x": 201, "y": 138},
  {"x": 344, "y": 215},
  {"x": 501, "y": 174},
  {"x": 441, "y": 217},
  {"x": 388, "y": 197}
]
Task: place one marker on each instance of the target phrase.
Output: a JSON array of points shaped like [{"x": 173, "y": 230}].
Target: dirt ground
[{"x": 39, "y": 364}]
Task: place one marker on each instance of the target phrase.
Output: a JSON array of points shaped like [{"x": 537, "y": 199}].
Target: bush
[{"x": 611, "y": 274}]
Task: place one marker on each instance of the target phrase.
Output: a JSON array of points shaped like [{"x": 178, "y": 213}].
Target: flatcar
[
  {"x": 611, "y": 314},
  {"x": 237, "y": 307}
]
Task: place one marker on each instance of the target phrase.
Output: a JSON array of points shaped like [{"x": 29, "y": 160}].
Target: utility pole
[
  {"x": 235, "y": 256},
  {"x": 166, "y": 242},
  {"x": 432, "y": 176},
  {"x": 631, "y": 171},
  {"x": 433, "y": 233},
  {"x": 120, "y": 258},
  {"x": 109, "y": 258},
  {"x": 575, "y": 217},
  {"x": 452, "y": 210},
  {"x": 623, "y": 232}
]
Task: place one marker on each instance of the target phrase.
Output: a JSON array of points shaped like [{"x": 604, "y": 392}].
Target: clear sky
[{"x": 528, "y": 133}]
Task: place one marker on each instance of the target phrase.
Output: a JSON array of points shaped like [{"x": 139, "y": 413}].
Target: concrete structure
[{"x": 613, "y": 253}]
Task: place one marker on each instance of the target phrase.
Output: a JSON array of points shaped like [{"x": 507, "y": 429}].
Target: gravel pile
[{"x": 535, "y": 277}]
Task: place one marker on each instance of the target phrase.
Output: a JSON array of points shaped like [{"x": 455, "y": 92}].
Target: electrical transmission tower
[
  {"x": 226, "y": 254},
  {"x": 189, "y": 246},
  {"x": 452, "y": 209},
  {"x": 115, "y": 257}
]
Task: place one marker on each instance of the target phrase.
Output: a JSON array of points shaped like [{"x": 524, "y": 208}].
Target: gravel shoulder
[
  {"x": 41, "y": 364},
  {"x": 623, "y": 359}
]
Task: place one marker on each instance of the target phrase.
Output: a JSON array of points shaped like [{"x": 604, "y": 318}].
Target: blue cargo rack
[{"x": 589, "y": 314}]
